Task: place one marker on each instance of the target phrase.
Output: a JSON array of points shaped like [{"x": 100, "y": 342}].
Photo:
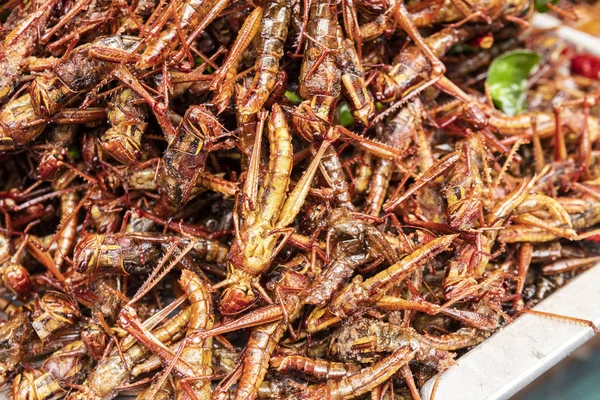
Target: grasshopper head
[
  {"x": 48, "y": 165},
  {"x": 17, "y": 280},
  {"x": 48, "y": 95},
  {"x": 58, "y": 311},
  {"x": 122, "y": 146},
  {"x": 240, "y": 294},
  {"x": 463, "y": 213},
  {"x": 86, "y": 252},
  {"x": 237, "y": 298}
]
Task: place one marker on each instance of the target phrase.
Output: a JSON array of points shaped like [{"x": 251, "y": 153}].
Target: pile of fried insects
[{"x": 281, "y": 199}]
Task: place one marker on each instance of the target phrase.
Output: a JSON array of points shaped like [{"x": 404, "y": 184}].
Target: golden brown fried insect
[
  {"x": 399, "y": 132},
  {"x": 361, "y": 244},
  {"x": 129, "y": 252},
  {"x": 66, "y": 238},
  {"x": 19, "y": 44},
  {"x": 134, "y": 252},
  {"x": 333, "y": 172},
  {"x": 111, "y": 372},
  {"x": 361, "y": 382},
  {"x": 123, "y": 140},
  {"x": 320, "y": 75},
  {"x": 471, "y": 259},
  {"x": 269, "y": 50},
  {"x": 224, "y": 80},
  {"x": 360, "y": 293},
  {"x": 35, "y": 385},
  {"x": 411, "y": 63},
  {"x": 67, "y": 365},
  {"x": 363, "y": 339},
  {"x": 265, "y": 211},
  {"x": 16, "y": 336},
  {"x": 57, "y": 311},
  {"x": 13, "y": 275},
  {"x": 318, "y": 369},
  {"x": 197, "y": 352},
  {"x": 464, "y": 187},
  {"x": 17, "y": 127},
  {"x": 22, "y": 119},
  {"x": 81, "y": 71},
  {"x": 264, "y": 339},
  {"x": 189, "y": 15},
  {"x": 192, "y": 357},
  {"x": 354, "y": 87}
]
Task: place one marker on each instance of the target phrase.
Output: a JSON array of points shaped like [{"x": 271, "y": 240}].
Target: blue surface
[{"x": 575, "y": 378}]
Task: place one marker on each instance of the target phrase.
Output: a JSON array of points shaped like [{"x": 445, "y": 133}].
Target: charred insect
[{"x": 185, "y": 157}]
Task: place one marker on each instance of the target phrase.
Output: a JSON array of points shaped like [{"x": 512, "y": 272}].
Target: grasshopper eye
[{"x": 459, "y": 192}]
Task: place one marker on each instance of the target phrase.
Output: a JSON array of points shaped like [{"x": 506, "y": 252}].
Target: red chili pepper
[
  {"x": 593, "y": 238},
  {"x": 485, "y": 41},
  {"x": 586, "y": 65}
]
